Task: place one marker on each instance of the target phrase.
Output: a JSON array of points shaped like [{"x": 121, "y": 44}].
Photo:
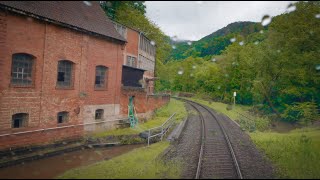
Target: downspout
[{"x": 42, "y": 78}]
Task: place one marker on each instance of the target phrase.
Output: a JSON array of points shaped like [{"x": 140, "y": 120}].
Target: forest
[{"x": 273, "y": 65}]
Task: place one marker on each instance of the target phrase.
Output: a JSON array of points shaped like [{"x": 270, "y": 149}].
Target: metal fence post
[{"x": 149, "y": 137}]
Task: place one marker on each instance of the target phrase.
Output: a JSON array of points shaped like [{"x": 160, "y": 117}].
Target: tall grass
[
  {"x": 140, "y": 163},
  {"x": 296, "y": 154}
]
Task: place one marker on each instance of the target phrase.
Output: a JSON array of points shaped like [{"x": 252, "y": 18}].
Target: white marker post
[{"x": 234, "y": 97}]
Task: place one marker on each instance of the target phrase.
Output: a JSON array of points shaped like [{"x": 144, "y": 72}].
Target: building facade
[{"x": 60, "y": 71}]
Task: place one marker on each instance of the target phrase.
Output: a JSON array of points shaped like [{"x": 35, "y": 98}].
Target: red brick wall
[
  {"x": 49, "y": 44},
  {"x": 133, "y": 42},
  {"x": 142, "y": 102}
]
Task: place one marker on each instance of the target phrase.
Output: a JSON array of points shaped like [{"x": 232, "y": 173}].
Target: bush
[{"x": 302, "y": 113}]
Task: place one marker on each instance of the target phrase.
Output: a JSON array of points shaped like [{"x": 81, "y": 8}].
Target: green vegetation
[
  {"x": 140, "y": 163},
  {"x": 277, "y": 71},
  {"x": 296, "y": 154},
  {"x": 254, "y": 123},
  {"x": 161, "y": 115}
]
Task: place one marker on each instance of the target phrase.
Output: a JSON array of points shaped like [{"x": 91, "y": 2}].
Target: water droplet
[
  {"x": 152, "y": 43},
  {"x": 174, "y": 38},
  {"x": 318, "y": 67},
  {"x": 214, "y": 60},
  {"x": 317, "y": 16},
  {"x": 291, "y": 7},
  {"x": 87, "y": 3},
  {"x": 189, "y": 43},
  {"x": 233, "y": 39},
  {"x": 241, "y": 43},
  {"x": 174, "y": 47},
  {"x": 180, "y": 72},
  {"x": 266, "y": 20},
  {"x": 193, "y": 67},
  {"x": 256, "y": 43}
]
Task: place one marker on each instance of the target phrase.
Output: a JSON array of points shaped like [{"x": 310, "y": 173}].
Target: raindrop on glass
[
  {"x": 189, "y": 43},
  {"x": 180, "y": 72},
  {"x": 266, "y": 20},
  {"x": 87, "y": 3},
  {"x": 318, "y": 67},
  {"x": 291, "y": 8},
  {"x": 232, "y": 39},
  {"x": 152, "y": 43},
  {"x": 317, "y": 16},
  {"x": 241, "y": 43},
  {"x": 174, "y": 38},
  {"x": 214, "y": 60},
  {"x": 256, "y": 43},
  {"x": 174, "y": 47}
]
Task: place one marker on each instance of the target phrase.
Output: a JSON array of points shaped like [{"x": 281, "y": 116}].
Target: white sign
[{"x": 234, "y": 94}]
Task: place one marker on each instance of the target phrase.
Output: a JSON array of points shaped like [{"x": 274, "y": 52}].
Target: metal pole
[{"x": 149, "y": 137}]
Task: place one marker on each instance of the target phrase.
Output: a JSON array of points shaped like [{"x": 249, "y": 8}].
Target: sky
[{"x": 192, "y": 20}]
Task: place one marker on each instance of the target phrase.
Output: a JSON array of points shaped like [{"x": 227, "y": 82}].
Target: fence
[{"x": 161, "y": 130}]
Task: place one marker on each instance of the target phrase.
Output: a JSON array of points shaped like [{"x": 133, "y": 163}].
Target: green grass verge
[
  {"x": 161, "y": 115},
  {"x": 140, "y": 163},
  {"x": 296, "y": 154},
  {"x": 260, "y": 123}
]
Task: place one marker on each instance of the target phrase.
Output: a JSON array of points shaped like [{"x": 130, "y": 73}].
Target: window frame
[
  {"x": 66, "y": 118},
  {"x": 71, "y": 75},
  {"x": 106, "y": 75},
  {"x": 24, "y": 120},
  {"x": 100, "y": 112},
  {"x": 32, "y": 71}
]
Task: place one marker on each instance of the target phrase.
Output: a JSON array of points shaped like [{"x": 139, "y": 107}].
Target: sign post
[{"x": 234, "y": 97}]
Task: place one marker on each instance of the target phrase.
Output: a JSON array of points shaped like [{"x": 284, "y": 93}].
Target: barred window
[
  {"x": 99, "y": 114},
  {"x": 64, "y": 77},
  {"x": 131, "y": 61},
  {"x": 21, "y": 71},
  {"x": 20, "y": 120},
  {"x": 101, "y": 77},
  {"x": 63, "y": 117}
]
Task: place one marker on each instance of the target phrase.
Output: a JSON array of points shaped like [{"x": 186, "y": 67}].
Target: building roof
[{"x": 85, "y": 16}]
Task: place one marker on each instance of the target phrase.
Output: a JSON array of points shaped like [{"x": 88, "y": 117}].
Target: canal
[{"x": 51, "y": 167}]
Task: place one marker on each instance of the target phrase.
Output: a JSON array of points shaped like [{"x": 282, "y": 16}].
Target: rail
[
  {"x": 60, "y": 127},
  {"x": 161, "y": 130}
]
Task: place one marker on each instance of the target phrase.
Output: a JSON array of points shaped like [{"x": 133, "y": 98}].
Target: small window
[
  {"x": 65, "y": 74},
  {"x": 99, "y": 114},
  {"x": 131, "y": 61},
  {"x": 21, "y": 70},
  {"x": 20, "y": 120},
  {"x": 63, "y": 117},
  {"x": 101, "y": 77}
]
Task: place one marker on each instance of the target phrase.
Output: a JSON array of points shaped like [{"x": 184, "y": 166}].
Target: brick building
[{"x": 61, "y": 72}]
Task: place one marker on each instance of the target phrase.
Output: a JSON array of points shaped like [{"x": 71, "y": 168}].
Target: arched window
[
  {"x": 22, "y": 69},
  {"x": 65, "y": 74},
  {"x": 101, "y": 77},
  {"x": 99, "y": 114},
  {"x": 20, "y": 120},
  {"x": 63, "y": 117}
]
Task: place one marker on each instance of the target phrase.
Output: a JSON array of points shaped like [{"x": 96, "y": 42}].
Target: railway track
[{"x": 216, "y": 157}]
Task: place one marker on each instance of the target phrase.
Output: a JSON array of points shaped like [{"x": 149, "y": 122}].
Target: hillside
[{"x": 214, "y": 43}]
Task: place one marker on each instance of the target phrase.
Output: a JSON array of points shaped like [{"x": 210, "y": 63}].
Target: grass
[
  {"x": 161, "y": 115},
  {"x": 259, "y": 123},
  {"x": 296, "y": 154},
  {"x": 140, "y": 163}
]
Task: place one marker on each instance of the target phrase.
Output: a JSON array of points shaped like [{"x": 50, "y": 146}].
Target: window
[
  {"x": 20, "y": 120},
  {"x": 21, "y": 71},
  {"x": 99, "y": 114},
  {"x": 101, "y": 77},
  {"x": 131, "y": 61},
  {"x": 63, "y": 117},
  {"x": 65, "y": 74}
]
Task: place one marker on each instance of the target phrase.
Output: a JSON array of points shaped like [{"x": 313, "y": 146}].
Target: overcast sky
[{"x": 192, "y": 20}]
